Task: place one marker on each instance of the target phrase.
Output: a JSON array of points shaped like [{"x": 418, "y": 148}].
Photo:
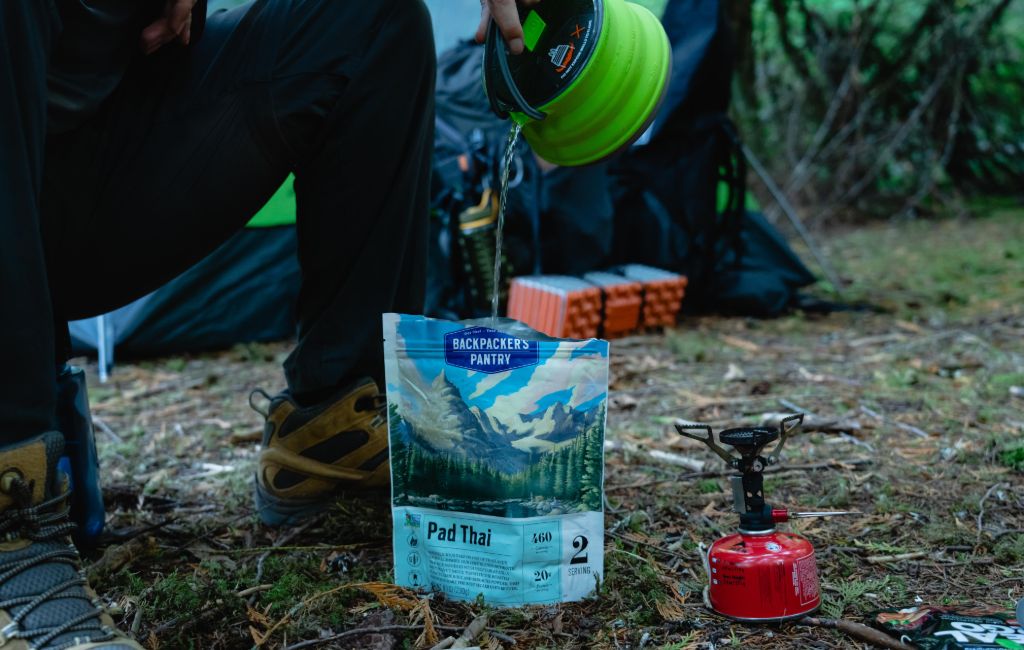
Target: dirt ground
[{"x": 920, "y": 413}]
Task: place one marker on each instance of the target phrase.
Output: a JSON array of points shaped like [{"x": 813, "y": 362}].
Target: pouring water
[{"x": 506, "y": 164}]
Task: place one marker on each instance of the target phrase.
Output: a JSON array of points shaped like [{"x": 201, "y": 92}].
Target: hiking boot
[
  {"x": 312, "y": 453},
  {"x": 45, "y": 602}
]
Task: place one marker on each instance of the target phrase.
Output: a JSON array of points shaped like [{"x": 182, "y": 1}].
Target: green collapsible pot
[{"x": 589, "y": 82}]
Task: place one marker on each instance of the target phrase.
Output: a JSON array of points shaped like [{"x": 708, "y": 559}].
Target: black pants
[{"x": 188, "y": 147}]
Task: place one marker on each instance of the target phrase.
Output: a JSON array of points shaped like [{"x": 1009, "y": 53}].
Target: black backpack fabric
[
  {"x": 680, "y": 198},
  {"x": 469, "y": 142}
]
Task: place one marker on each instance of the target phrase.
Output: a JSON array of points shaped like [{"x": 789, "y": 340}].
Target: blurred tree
[{"x": 882, "y": 106}]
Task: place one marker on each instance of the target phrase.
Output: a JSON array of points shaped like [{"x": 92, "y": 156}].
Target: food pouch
[
  {"x": 931, "y": 627},
  {"x": 497, "y": 459}
]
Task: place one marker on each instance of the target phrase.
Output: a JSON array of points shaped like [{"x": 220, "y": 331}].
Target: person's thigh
[
  {"x": 28, "y": 384},
  {"x": 191, "y": 145},
  {"x": 362, "y": 193}
]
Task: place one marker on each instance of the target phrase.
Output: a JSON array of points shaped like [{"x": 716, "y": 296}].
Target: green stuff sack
[
  {"x": 497, "y": 459},
  {"x": 929, "y": 627}
]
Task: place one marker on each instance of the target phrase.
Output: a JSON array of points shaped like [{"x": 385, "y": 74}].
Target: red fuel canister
[{"x": 769, "y": 576}]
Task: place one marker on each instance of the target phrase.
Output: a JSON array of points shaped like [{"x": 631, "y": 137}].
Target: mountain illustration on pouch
[
  {"x": 522, "y": 443},
  {"x": 497, "y": 459}
]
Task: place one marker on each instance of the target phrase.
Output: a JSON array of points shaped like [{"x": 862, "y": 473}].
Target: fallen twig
[
  {"x": 280, "y": 541},
  {"x": 137, "y": 618},
  {"x": 449, "y": 640},
  {"x": 896, "y": 423},
  {"x": 796, "y": 408},
  {"x": 254, "y": 590},
  {"x": 1013, "y": 531},
  {"x": 666, "y": 457},
  {"x": 813, "y": 422},
  {"x": 472, "y": 631},
  {"x": 981, "y": 507},
  {"x": 132, "y": 395},
  {"x": 858, "y": 631},
  {"x": 900, "y": 557},
  {"x": 501, "y": 636},
  {"x": 105, "y": 428},
  {"x": 892, "y": 337}
]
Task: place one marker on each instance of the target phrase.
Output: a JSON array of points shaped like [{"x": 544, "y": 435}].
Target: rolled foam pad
[
  {"x": 663, "y": 293},
  {"x": 622, "y": 300},
  {"x": 557, "y": 305}
]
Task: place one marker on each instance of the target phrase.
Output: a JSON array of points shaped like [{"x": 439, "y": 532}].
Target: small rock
[
  {"x": 623, "y": 401},
  {"x": 735, "y": 373},
  {"x": 1016, "y": 391}
]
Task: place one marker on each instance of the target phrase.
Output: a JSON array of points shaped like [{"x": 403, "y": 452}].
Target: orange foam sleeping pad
[
  {"x": 557, "y": 305},
  {"x": 663, "y": 294},
  {"x": 622, "y": 301},
  {"x": 601, "y": 304}
]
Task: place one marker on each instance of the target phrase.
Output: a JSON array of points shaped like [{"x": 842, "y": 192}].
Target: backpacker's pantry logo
[{"x": 485, "y": 350}]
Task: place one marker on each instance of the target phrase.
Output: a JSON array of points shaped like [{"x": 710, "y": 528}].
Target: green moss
[
  {"x": 1013, "y": 456},
  {"x": 837, "y": 495},
  {"x": 709, "y": 486},
  {"x": 176, "y": 592},
  {"x": 176, "y": 364},
  {"x": 1009, "y": 551},
  {"x": 691, "y": 346},
  {"x": 1000, "y": 383},
  {"x": 632, "y": 588}
]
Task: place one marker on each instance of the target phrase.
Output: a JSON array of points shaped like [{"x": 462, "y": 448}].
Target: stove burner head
[{"x": 748, "y": 440}]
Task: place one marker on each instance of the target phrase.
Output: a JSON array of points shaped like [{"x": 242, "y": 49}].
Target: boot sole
[{"x": 275, "y": 511}]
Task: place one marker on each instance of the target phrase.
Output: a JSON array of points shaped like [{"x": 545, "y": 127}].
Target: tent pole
[
  {"x": 101, "y": 347},
  {"x": 790, "y": 213}
]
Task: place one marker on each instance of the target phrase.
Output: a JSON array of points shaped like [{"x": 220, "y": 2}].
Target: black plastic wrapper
[{"x": 930, "y": 627}]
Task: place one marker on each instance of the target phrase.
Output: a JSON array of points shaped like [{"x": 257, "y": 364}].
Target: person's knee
[
  {"x": 346, "y": 31},
  {"x": 420, "y": 30},
  {"x": 411, "y": 32}
]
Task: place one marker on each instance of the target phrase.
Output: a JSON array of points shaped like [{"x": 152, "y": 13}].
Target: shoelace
[
  {"x": 45, "y": 522},
  {"x": 377, "y": 402}
]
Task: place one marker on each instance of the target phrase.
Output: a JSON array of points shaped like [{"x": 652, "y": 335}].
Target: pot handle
[{"x": 495, "y": 44}]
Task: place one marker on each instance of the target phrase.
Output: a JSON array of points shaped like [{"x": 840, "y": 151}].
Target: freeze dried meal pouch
[
  {"x": 929, "y": 627},
  {"x": 497, "y": 459}
]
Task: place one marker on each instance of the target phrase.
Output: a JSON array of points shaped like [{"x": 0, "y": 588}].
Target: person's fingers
[
  {"x": 176, "y": 23},
  {"x": 185, "y": 36},
  {"x": 179, "y": 15},
  {"x": 156, "y": 36},
  {"x": 485, "y": 19},
  {"x": 507, "y": 17},
  {"x": 506, "y": 14}
]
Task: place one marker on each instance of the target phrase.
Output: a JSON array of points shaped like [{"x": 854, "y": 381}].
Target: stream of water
[{"x": 506, "y": 164}]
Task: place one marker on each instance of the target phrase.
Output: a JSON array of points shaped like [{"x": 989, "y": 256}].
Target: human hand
[
  {"x": 175, "y": 24},
  {"x": 506, "y": 14}
]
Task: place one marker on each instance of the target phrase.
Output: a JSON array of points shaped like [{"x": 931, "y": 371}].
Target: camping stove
[{"x": 758, "y": 574}]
